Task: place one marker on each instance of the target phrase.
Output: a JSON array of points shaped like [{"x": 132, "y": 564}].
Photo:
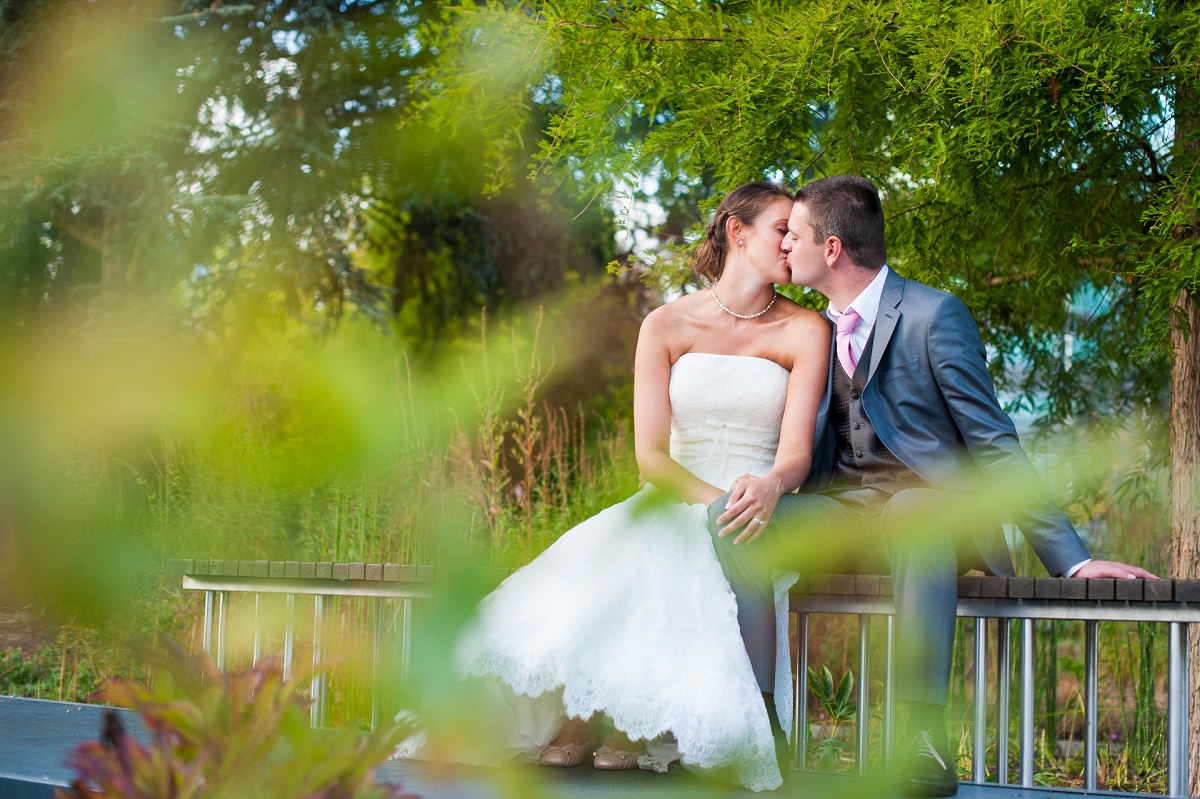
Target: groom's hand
[
  {"x": 1111, "y": 568},
  {"x": 751, "y": 503}
]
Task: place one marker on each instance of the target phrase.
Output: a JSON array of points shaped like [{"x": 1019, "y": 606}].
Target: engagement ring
[{"x": 757, "y": 520}]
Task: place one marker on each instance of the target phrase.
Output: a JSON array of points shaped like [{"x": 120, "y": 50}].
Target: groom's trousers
[{"x": 866, "y": 530}]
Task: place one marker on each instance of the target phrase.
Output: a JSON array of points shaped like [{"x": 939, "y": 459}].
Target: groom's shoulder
[{"x": 915, "y": 292}]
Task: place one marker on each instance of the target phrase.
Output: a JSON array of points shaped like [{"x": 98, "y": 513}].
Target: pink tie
[{"x": 845, "y": 327}]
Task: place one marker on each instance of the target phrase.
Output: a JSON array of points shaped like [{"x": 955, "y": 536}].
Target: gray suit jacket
[{"x": 934, "y": 406}]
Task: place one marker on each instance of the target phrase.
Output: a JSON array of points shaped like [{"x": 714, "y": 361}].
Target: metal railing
[
  {"x": 218, "y": 588},
  {"x": 1007, "y": 610},
  {"x": 1007, "y": 600}
]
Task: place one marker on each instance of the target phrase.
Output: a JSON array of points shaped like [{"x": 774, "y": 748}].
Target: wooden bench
[{"x": 1021, "y": 600}]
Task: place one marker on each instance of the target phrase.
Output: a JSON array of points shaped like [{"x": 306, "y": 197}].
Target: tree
[
  {"x": 1035, "y": 158},
  {"x": 226, "y": 160}
]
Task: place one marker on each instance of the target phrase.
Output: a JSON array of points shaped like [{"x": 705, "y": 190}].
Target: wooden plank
[
  {"x": 866, "y": 584},
  {"x": 324, "y": 570},
  {"x": 885, "y": 585},
  {"x": 1101, "y": 588},
  {"x": 819, "y": 584},
  {"x": 391, "y": 572},
  {"x": 970, "y": 587},
  {"x": 1187, "y": 590},
  {"x": 1159, "y": 590},
  {"x": 373, "y": 571},
  {"x": 229, "y": 568},
  {"x": 340, "y": 571},
  {"x": 1073, "y": 588},
  {"x": 993, "y": 587},
  {"x": 276, "y": 570},
  {"x": 1047, "y": 588},
  {"x": 308, "y": 570},
  {"x": 245, "y": 568},
  {"x": 1130, "y": 590},
  {"x": 260, "y": 568},
  {"x": 1020, "y": 587},
  {"x": 355, "y": 571},
  {"x": 843, "y": 584},
  {"x": 177, "y": 566},
  {"x": 202, "y": 567},
  {"x": 291, "y": 569}
]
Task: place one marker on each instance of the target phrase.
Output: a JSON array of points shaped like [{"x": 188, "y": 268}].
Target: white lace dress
[{"x": 629, "y": 614}]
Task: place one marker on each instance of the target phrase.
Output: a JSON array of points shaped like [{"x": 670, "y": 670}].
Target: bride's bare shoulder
[
  {"x": 679, "y": 311},
  {"x": 795, "y": 314},
  {"x": 807, "y": 318}
]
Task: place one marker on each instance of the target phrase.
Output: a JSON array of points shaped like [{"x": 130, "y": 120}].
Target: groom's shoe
[{"x": 927, "y": 771}]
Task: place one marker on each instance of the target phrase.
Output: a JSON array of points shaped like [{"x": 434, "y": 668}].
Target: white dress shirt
[{"x": 866, "y": 305}]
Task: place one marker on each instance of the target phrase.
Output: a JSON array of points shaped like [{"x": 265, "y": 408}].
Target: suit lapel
[
  {"x": 833, "y": 362},
  {"x": 887, "y": 319}
]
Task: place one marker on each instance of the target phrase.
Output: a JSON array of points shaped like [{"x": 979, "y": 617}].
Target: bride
[{"x": 628, "y": 615}]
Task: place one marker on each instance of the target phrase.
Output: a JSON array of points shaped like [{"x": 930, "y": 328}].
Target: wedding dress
[{"x": 629, "y": 614}]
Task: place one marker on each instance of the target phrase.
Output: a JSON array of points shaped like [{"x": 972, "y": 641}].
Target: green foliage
[
  {"x": 223, "y": 735},
  {"x": 837, "y": 700},
  {"x": 1035, "y": 158},
  {"x": 221, "y": 163}
]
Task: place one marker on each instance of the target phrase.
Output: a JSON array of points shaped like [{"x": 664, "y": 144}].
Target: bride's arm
[
  {"x": 755, "y": 497},
  {"x": 652, "y": 415}
]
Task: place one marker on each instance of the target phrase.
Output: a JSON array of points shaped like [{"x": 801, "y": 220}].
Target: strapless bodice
[{"x": 726, "y": 411}]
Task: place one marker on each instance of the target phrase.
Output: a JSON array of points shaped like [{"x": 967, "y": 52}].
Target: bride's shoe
[
  {"x": 565, "y": 755},
  {"x": 609, "y": 759}
]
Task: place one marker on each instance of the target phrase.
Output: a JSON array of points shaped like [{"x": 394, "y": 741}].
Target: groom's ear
[{"x": 833, "y": 249}]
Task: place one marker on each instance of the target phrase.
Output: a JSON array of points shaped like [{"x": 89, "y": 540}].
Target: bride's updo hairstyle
[{"x": 745, "y": 202}]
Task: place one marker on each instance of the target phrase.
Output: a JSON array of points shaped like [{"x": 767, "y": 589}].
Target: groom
[{"x": 909, "y": 418}]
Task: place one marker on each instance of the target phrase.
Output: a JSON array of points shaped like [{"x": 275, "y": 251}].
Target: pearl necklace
[{"x": 713, "y": 289}]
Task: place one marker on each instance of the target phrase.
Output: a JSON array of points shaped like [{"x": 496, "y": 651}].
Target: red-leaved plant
[{"x": 227, "y": 736}]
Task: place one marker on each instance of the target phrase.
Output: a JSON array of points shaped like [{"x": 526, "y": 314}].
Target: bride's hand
[{"x": 752, "y": 502}]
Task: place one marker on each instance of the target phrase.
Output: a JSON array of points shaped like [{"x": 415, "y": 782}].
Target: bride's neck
[{"x": 744, "y": 295}]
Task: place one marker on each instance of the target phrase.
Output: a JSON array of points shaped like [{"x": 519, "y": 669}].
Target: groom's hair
[{"x": 848, "y": 207}]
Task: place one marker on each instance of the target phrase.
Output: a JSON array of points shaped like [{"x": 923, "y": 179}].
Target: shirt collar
[{"x": 866, "y": 304}]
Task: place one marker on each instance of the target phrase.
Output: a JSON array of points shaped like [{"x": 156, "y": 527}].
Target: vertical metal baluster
[
  {"x": 1090, "y": 711},
  {"x": 257, "y": 629},
  {"x": 1176, "y": 714},
  {"x": 377, "y": 606},
  {"x": 289, "y": 636},
  {"x": 1027, "y": 703},
  {"x": 317, "y": 718},
  {"x": 864, "y": 682},
  {"x": 406, "y": 639},
  {"x": 1185, "y": 723},
  {"x": 206, "y": 641},
  {"x": 979, "y": 757},
  {"x": 800, "y": 710},
  {"x": 889, "y": 697},
  {"x": 222, "y": 605},
  {"x": 1002, "y": 691}
]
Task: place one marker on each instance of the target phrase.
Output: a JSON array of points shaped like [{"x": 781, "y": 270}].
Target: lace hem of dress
[{"x": 748, "y": 751}]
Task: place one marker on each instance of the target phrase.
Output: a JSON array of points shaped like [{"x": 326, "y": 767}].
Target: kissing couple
[{"x": 773, "y": 440}]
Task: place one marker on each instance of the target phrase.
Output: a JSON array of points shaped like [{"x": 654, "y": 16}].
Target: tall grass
[{"x": 478, "y": 453}]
